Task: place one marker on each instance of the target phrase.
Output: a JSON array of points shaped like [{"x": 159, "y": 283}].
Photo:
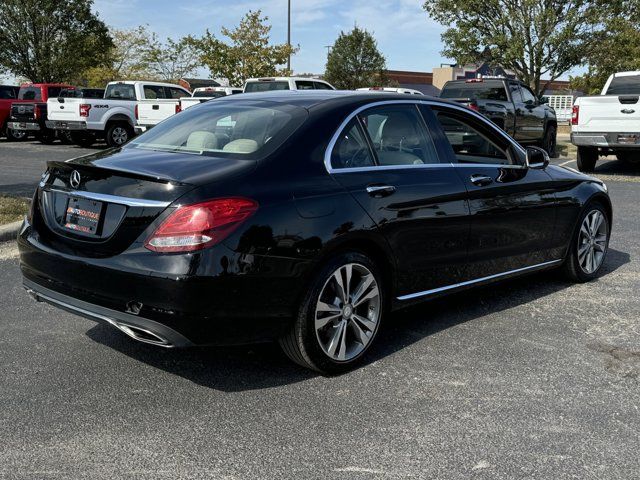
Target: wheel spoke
[
  {"x": 337, "y": 277},
  {"x": 360, "y": 333},
  {"x": 361, "y": 288},
  {"x": 599, "y": 220},
  {"x": 365, "y": 322},
  {"x": 373, "y": 293},
  {"x": 322, "y": 322},
  {"x": 348, "y": 271},
  {"x": 327, "y": 307},
  {"x": 342, "y": 352},
  {"x": 583, "y": 249},
  {"x": 335, "y": 340}
]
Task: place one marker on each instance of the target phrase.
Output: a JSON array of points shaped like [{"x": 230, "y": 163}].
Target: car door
[
  {"x": 535, "y": 113},
  {"x": 513, "y": 207},
  {"x": 386, "y": 158}
]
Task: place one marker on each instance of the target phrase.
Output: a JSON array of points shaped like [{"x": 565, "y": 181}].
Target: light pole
[{"x": 289, "y": 34}]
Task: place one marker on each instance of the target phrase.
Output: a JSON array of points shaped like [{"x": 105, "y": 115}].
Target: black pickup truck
[{"x": 511, "y": 105}]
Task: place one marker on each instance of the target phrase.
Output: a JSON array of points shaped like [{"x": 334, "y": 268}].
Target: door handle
[
  {"x": 481, "y": 180},
  {"x": 380, "y": 190}
]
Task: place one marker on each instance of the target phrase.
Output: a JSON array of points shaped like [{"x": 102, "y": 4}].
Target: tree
[
  {"x": 530, "y": 37},
  {"x": 354, "y": 61},
  {"x": 172, "y": 60},
  {"x": 247, "y": 54},
  {"x": 617, "y": 50},
  {"x": 51, "y": 40},
  {"x": 127, "y": 59}
]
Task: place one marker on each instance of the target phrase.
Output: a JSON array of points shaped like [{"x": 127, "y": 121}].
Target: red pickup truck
[
  {"x": 8, "y": 95},
  {"x": 29, "y": 112}
]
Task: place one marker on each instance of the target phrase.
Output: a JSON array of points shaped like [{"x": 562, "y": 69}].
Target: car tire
[
  {"x": 46, "y": 137},
  {"x": 587, "y": 158},
  {"x": 118, "y": 134},
  {"x": 84, "y": 140},
  {"x": 331, "y": 335},
  {"x": 65, "y": 137},
  {"x": 16, "y": 135},
  {"x": 549, "y": 143},
  {"x": 588, "y": 243}
]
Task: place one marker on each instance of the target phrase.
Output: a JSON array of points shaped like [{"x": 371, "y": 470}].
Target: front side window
[
  {"x": 224, "y": 129},
  {"x": 351, "y": 149},
  {"x": 516, "y": 94},
  {"x": 469, "y": 143},
  {"x": 175, "y": 93},
  {"x": 527, "y": 95},
  {"x": 322, "y": 86},
  {"x": 120, "y": 91},
  {"x": 398, "y": 136}
]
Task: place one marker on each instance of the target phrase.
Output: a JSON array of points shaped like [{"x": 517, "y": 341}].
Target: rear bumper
[
  {"x": 141, "y": 129},
  {"x": 217, "y": 297},
  {"x": 29, "y": 126},
  {"x": 62, "y": 125},
  {"x": 141, "y": 329},
  {"x": 629, "y": 140}
]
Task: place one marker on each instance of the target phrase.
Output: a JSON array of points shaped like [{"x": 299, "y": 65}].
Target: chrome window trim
[
  {"x": 336, "y": 136},
  {"x": 103, "y": 197},
  {"x": 477, "y": 280}
]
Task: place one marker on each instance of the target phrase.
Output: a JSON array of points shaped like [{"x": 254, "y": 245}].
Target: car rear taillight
[
  {"x": 575, "y": 114},
  {"x": 474, "y": 106},
  {"x": 135, "y": 112},
  {"x": 36, "y": 112},
  {"x": 194, "y": 227},
  {"x": 178, "y": 108},
  {"x": 84, "y": 109}
]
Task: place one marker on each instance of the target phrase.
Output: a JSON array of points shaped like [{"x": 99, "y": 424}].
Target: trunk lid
[
  {"x": 62, "y": 109},
  {"x": 23, "y": 112},
  {"x": 100, "y": 204}
]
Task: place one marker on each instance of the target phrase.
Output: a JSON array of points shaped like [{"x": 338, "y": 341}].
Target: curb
[{"x": 9, "y": 231}]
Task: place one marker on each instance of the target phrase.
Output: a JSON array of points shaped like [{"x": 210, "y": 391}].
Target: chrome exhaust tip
[{"x": 142, "y": 335}]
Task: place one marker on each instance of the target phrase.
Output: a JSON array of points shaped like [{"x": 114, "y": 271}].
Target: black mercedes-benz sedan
[{"x": 302, "y": 217}]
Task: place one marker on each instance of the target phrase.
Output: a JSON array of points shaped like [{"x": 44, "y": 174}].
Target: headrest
[
  {"x": 241, "y": 145},
  {"x": 202, "y": 140}
]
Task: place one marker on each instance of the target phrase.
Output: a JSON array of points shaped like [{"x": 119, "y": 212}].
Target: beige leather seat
[{"x": 202, "y": 140}]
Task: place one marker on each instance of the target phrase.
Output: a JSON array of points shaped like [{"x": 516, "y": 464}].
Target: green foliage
[
  {"x": 534, "y": 38},
  {"x": 355, "y": 62},
  {"x": 127, "y": 59},
  {"x": 172, "y": 60},
  {"x": 51, "y": 40},
  {"x": 247, "y": 53},
  {"x": 617, "y": 50}
]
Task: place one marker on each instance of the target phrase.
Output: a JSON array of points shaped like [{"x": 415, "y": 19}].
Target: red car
[
  {"x": 8, "y": 95},
  {"x": 29, "y": 112}
]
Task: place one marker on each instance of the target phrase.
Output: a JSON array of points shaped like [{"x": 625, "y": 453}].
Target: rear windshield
[
  {"x": 628, "y": 85},
  {"x": 81, "y": 93},
  {"x": 30, "y": 93},
  {"x": 252, "y": 87},
  {"x": 210, "y": 94},
  {"x": 231, "y": 129},
  {"x": 479, "y": 90},
  {"x": 120, "y": 91}
]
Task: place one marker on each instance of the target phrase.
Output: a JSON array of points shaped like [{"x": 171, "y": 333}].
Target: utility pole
[
  {"x": 328, "y": 47},
  {"x": 289, "y": 33}
]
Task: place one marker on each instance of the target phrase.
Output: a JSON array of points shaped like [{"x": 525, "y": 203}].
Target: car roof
[
  {"x": 283, "y": 79},
  {"x": 311, "y": 98}
]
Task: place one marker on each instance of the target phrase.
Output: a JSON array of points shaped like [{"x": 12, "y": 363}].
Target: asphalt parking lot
[{"x": 534, "y": 378}]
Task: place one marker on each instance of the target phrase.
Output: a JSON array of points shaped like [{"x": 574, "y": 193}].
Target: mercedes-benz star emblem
[{"x": 75, "y": 179}]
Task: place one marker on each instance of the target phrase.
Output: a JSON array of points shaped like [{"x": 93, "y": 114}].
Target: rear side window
[
  {"x": 242, "y": 130},
  {"x": 351, "y": 149},
  {"x": 480, "y": 90},
  {"x": 627, "y": 85},
  {"x": 322, "y": 86},
  {"x": 30, "y": 93},
  {"x": 8, "y": 93},
  {"x": 253, "y": 87},
  {"x": 120, "y": 91}
]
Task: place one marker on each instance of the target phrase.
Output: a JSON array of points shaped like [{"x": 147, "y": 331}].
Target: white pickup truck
[
  {"x": 112, "y": 117},
  {"x": 608, "y": 123},
  {"x": 152, "y": 112}
]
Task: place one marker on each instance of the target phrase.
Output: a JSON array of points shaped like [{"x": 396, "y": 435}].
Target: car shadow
[{"x": 242, "y": 368}]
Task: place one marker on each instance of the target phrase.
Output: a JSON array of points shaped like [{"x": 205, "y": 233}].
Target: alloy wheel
[
  {"x": 592, "y": 241},
  {"x": 347, "y": 312},
  {"x": 119, "y": 135}
]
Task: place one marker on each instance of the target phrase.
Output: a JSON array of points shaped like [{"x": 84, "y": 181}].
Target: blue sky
[{"x": 406, "y": 36}]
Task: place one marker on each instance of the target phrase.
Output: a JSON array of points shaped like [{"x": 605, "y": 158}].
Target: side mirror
[
  {"x": 543, "y": 100},
  {"x": 537, "y": 158}
]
